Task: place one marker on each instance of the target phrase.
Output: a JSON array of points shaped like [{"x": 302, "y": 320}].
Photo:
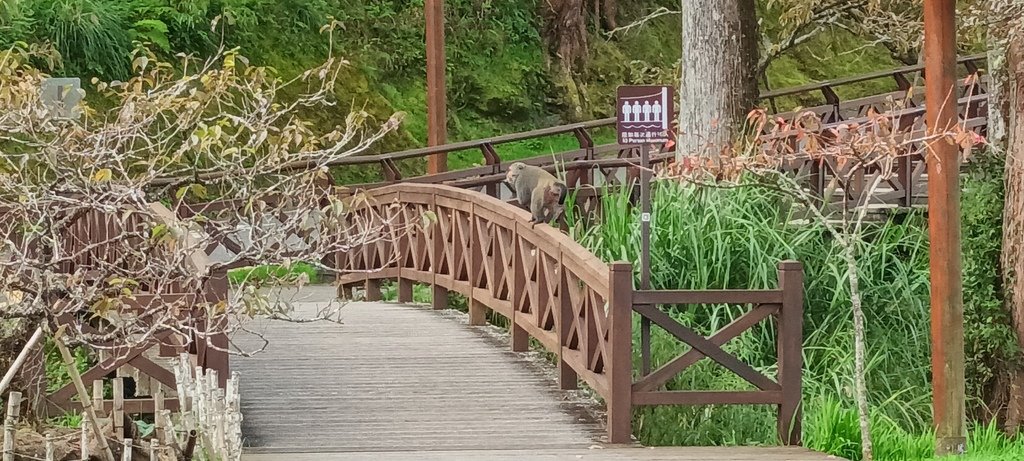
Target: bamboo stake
[
  {"x": 20, "y": 360},
  {"x": 126, "y": 453},
  {"x": 85, "y": 437},
  {"x": 117, "y": 414},
  {"x": 97, "y": 395},
  {"x": 49, "y": 447},
  {"x": 10, "y": 421},
  {"x": 83, "y": 395}
]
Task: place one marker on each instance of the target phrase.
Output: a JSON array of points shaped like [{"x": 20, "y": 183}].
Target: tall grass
[
  {"x": 92, "y": 36},
  {"x": 706, "y": 238}
]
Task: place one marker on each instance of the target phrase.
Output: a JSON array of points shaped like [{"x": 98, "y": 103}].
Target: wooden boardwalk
[{"x": 406, "y": 382}]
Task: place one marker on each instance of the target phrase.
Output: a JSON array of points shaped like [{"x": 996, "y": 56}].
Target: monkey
[{"x": 541, "y": 191}]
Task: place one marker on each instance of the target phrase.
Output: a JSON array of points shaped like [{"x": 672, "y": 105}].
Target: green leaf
[
  {"x": 198, "y": 190},
  {"x": 158, "y": 232}
]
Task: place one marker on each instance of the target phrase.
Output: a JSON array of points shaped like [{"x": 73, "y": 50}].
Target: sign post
[{"x": 644, "y": 114}]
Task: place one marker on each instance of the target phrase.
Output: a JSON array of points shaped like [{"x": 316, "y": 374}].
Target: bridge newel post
[
  {"x": 567, "y": 377},
  {"x": 477, "y": 309},
  {"x": 619, "y": 364},
  {"x": 790, "y": 344},
  {"x": 216, "y": 357},
  {"x": 520, "y": 339},
  {"x": 439, "y": 294},
  {"x": 372, "y": 288}
]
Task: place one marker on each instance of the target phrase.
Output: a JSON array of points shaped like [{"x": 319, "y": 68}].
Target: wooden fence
[
  {"x": 209, "y": 416},
  {"x": 592, "y": 165},
  {"x": 92, "y": 252},
  {"x": 576, "y": 306}
]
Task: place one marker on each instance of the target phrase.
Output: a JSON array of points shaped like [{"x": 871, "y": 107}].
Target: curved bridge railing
[{"x": 576, "y": 306}]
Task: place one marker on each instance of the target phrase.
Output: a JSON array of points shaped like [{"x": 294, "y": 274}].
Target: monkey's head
[{"x": 513, "y": 171}]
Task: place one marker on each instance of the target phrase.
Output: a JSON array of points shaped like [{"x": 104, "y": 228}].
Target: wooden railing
[
  {"x": 91, "y": 253},
  {"x": 576, "y": 306},
  {"x": 902, "y": 77},
  {"x": 592, "y": 165}
]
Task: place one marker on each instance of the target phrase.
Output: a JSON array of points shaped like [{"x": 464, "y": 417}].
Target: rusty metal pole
[
  {"x": 437, "y": 125},
  {"x": 947, "y": 310}
]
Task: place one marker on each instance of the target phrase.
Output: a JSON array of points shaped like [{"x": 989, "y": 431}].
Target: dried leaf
[{"x": 102, "y": 175}]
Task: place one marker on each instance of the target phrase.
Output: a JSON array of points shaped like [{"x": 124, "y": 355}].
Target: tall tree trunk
[
  {"x": 718, "y": 85},
  {"x": 1013, "y": 212},
  {"x": 566, "y": 35},
  {"x": 610, "y": 13}
]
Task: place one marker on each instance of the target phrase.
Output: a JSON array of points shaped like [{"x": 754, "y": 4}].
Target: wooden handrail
[{"x": 810, "y": 87}]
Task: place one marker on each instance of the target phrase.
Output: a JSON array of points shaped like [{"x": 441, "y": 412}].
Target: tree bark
[
  {"x": 609, "y": 14},
  {"x": 718, "y": 85},
  {"x": 1013, "y": 214},
  {"x": 566, "y": 35}
]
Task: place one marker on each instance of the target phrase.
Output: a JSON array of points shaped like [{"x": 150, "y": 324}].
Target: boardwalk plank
[
  {"x": 395, "y": 377},
  {"x": 397, "y": 382},
  {"x": 616, "y": 454}
]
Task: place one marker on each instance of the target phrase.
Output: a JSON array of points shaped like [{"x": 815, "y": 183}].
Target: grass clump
[{"x": 704, "y": 238}]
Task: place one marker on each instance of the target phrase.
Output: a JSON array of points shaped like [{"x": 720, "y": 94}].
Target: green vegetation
[
  {"x": 733, "y": 238},
  {"x": 260, "y": 275},
  {"x": 500, "y": 81},
  {"x": 56, "y": 372},
  {"x": 499, "y": 76}
]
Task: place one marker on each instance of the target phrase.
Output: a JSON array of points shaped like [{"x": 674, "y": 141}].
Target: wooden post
[
  {"x": 619, "y": 366},
  {"x": 477, "y": 309},
  {"x": 567, "y": 377},
  {"x": 437, "y": 118},
  {"x": 404, "y": 290},
  {"x": 790, "y": 346},
  {"x": 217, "y": 342},
  {"x": 10, "y": 422},
  {"x": 126, "y": 453},
  {"x": 372, "y": 288},
  {"x": 947, "y": 310},
  {"x": 439, "y": 294},
  {"x": 404, "y": 247},
  {"x": 520, "y": 338}
]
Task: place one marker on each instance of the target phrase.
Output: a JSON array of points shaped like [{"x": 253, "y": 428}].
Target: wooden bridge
[
  {"x": 475, "y": 401},
  {"x": 407, "y": 382},
  {"x": 397, "y": 378}
]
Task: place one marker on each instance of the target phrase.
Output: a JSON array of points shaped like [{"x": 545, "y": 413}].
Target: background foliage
[{"x": 501, "y": 80}]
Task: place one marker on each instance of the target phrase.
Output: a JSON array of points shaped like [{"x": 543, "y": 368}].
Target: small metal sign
[
  {"x": 645, "y": 217},
  {"x": 644, "y": 114},
  {"x": 62, "y": 95}
]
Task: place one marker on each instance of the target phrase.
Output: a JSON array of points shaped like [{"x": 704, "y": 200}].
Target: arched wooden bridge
[{"x": 397, "y": 378}]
